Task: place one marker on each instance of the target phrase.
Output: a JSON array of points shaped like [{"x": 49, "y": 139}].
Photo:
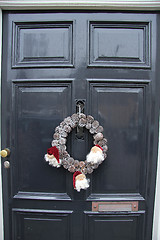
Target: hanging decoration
[{"x": 58, "y": 156}]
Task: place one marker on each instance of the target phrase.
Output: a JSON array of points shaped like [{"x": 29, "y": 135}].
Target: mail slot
[{"x": 114, "y": 206}]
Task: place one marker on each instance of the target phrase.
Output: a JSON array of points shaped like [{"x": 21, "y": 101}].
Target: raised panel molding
[
  {"x": 41, "y": 223},
  {"x": 115, "y": 225},
  {"x": 35, "y": 120},
  {"x": 131, "y": 118},
  {"x": 123, "y": 44},
  {"x": 42, "y": 44}
]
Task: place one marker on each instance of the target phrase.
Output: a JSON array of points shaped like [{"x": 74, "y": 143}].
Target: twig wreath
[{"x": 58, "y": 156}]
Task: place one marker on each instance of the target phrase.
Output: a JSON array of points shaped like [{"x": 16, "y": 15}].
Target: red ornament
[
  {"x": 74, "y": 178},
  {"x": 99, "y": 147},
  {"x": 54, "y": 151}
]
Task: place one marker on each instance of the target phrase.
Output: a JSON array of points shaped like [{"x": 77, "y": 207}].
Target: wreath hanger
[{"x": 58, "y": 156}]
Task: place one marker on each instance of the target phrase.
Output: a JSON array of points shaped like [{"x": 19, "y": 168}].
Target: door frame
[{"x": 140, "y": 5}]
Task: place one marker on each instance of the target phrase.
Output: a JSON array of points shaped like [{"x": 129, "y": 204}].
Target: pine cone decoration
[
  {"x": 55, "y": 143},
  {"x": 82, "y": 122},
  {"x": 95, "y": 124},
  {"x": 84, "y": 170},
  {"x": 82, "y": 115},
  {"x": 62, "y": 124},
  {"x": 90, "y": 119},
  {"x": 71, "y": 160},
  {"x": 75, "y": 118},
  {"x": 66, "y": 154},
  {"x": 67, "y": 129},
  {"x": 57, "y": 129},
  {"x": 56, "y": 136},
  {"x": 64, "y": 134},
  {"x": 95, "y": 166},
  {"x": 62, "y": 141},
  {"x": 71, "y": 169},
  {"x": 98, "y": 136},
  {"x": 88, "y": 125},
  {"x": 81, "y": 164},
  {"x": 76, "y": 163},
  {"x": 89, "y": 170},
  {"x": 92, "y": 130},
  {"x": 99, "y": 129},
  {"x": 105, "y": 148}
]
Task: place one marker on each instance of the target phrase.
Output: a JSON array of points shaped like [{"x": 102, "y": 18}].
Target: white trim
[
  {"x": 156, "y": 222},
  {"x": 1, "y": 207},
  {"x": 81, "y": 4},
  {"x": 86, "y": 4}
]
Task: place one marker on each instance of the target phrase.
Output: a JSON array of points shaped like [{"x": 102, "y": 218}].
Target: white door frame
[{"x": 141, "y": 5}]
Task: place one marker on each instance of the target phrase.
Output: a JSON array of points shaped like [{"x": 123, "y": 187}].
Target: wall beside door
[{"x": 156, "y": 229}]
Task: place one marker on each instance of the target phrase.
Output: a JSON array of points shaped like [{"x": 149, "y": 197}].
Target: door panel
[
  {"x": 34, "y": 224},
  {"x": 34, "y": 105},
  {"x": 119, "y": 44},
  {"x": 34, "y": 44},
  {"x": 116, "y": 226},
  {"x": 124, "y": 119},
  {"x": 109, "y": 61}
]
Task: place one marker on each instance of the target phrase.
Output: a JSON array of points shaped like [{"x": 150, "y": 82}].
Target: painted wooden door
[{"x": 109, "y": 61}]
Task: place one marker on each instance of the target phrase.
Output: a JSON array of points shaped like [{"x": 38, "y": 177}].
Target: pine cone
[
  {"x": 84, "y": 171},
  {"x": 102, "y": 142},
  {"x": 62, "y": 124},
  {"x": 88, "y": 125},
  {"x": 95, "y": 124},
  {"x": 95, "y": 166},
  {"x": 81, "y": 164},
  {"x": 89, "y": 170},
  {"x": 56, "y": 136},
  {"x": 82, "y": 122},
  {"x": 98, "y": 136},
  {"x": 66, "y": 154},
  {"x": 71, "y": 169},
  {"x": 57, "y": 129},
  {"x": 76, "y": 163},
  {"x": 67, "y": 128},
  {"x": 62, "y": 141},
  {"x": 71, "y": 160},
  {"x": 64, "y": 134},
  {"x": 68, "y": 120},
  {"x": 82, "y": 115},
  {"x": 66, "y": 166},
  {"x": 75, "y": 118},
  {"x": 92, "y": 130},
  {"x": 99, "y": 129},
  {"x": 62, "y": 148},
  {"x": 64, "y": 162},
  {"x": 55, "y": 143},
  {"x": 105, "y": 148},
  {"x": 90, "y": 119}
]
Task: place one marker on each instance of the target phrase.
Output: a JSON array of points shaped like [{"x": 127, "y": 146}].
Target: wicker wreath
[{"x": 58, "y": 156}]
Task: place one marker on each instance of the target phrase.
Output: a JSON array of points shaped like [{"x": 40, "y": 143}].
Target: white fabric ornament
[
  {"x": 96, "y": 155},
  {"x": 80, "y": 181}
]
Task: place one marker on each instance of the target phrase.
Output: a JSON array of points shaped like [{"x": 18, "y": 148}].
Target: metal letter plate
[{"x": 114, "y": 206}]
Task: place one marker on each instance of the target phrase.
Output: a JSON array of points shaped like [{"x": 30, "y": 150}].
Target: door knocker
[{"x": 58, "y": 156}]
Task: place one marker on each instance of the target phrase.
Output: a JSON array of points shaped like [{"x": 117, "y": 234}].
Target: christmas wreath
[{"x": 58, "y": 156}]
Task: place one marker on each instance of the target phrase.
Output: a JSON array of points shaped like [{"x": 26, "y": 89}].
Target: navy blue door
[{"x": 109, "y": 61}]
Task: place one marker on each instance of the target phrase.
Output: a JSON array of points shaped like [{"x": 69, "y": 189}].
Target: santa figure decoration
[
  {"x": 52, "y": 157},
  {"x": 80, "y": 181},
  {"x": 96, "y": 155}
]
